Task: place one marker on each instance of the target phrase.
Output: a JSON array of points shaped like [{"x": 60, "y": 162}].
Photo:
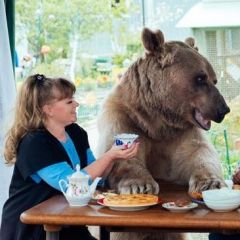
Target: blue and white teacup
[{"x": 126, "y": 139}]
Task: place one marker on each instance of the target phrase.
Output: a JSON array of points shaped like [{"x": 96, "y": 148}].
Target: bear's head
[{"x": 174, "y": 82}]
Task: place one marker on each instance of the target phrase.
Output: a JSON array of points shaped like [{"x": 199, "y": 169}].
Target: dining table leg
[
  {"x": 52, "y": 235},
  {"x": 52, "y": 232},
  {"x": 104, "y": 234}
]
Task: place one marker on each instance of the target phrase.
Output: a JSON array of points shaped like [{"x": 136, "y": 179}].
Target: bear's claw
[
  {"x": 128, "y": 186},
  {"x": 199, "y": 185}
]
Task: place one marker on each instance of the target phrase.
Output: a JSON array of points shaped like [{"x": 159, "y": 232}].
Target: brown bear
[{"x": 168, "y": 97}]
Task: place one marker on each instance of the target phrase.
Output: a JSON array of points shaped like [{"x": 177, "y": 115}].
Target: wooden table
[{"x": 55, "y": 213}]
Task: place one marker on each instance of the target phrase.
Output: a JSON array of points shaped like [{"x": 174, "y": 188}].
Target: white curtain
[
  {"x": 7, "y": 101},
  {"x": 7, "y": 81}
]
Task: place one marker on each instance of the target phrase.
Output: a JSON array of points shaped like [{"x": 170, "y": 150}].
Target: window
[{"x": 93, "y": 43}]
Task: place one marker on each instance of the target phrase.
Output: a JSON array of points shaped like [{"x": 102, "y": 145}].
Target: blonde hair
[{"x": 36, "y": 91}]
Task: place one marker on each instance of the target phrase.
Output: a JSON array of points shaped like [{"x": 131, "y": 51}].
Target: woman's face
[{"x": 61, "y": 112}]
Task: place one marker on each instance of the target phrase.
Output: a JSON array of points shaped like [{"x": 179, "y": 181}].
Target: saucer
[{"x": 173, "y": 208}]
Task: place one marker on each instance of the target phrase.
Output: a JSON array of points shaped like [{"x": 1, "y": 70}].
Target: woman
[{"x": 45, "y": 145}]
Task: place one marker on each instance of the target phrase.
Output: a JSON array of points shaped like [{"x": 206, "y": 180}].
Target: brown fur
[{"x": 157, "y": 99}]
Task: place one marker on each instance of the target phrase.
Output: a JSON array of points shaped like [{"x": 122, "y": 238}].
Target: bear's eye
[{"x": 201, "y": 79}]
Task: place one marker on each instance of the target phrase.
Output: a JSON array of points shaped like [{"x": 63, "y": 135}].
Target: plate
[
  {"x": 198, "y": 201},
  {"x": 196, "y": 197},
  {"x": 169, "y": 206},
  {"x": 99, "y": 195},
  {"x": 126, "y": 208}
]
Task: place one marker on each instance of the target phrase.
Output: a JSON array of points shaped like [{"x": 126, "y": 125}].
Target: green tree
[{"x": 62, "y": 24}]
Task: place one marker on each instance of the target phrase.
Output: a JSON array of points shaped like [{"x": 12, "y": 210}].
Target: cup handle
[{"x": 63, "y": 185}]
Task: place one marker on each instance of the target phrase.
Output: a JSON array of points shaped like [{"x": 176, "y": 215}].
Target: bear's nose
[{"x": 222, "y": 111}]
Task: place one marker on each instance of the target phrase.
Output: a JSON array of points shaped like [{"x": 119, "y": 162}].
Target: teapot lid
[{"x": 78, "y": 174}]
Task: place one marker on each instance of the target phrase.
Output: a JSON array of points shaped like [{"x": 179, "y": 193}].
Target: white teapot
[{"x": 77, "y": 191}]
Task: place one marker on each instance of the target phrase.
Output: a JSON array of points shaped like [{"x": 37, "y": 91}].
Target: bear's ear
[
  {"x": 191, "y": 42},
  {"x": 152, "y": 41}
]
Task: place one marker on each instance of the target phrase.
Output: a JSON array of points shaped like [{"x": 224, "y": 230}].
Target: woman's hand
[
  {"x": 103, "y": 165},
  {"x": 123, "y": 152}
]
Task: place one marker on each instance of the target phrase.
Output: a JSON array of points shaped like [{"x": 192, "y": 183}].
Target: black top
[{"x": 37, "y": 149}]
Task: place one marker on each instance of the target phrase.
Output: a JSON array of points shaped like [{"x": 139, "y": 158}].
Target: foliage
[
  {"x": 231, "y": 121},
  {"x": 86, "y": 84},
  {"x": 55, "y": 23},
  {"x": 133, "y": 48},
  {"x": 85, "y": 68},
  {"x": 43, "y": 26},
  {"x": 119, "y": 58},
  {"x": 226, "y": 146},
  {"x": 56, "y": 68},
  {"x": 50, "y": 70}
]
